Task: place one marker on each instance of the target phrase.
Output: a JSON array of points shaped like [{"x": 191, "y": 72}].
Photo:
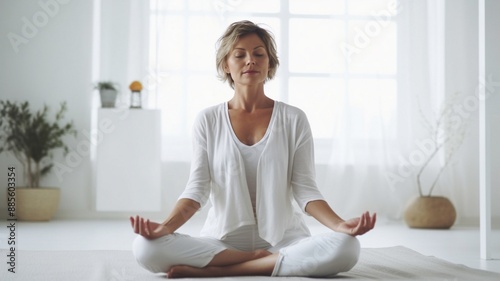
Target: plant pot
[
  {"x": 36, "y": 204},
  {"x": 432, "y": 212},
  {"x": 108, "y": 97}
]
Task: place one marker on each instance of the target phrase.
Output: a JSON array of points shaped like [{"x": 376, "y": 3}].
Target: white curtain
[
  {"x": 437, "y": 67},
  {"x": 365, "y": 110},
  {"x": 378, "y": 172}
]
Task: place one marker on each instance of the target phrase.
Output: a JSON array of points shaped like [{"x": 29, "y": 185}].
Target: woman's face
[{"x": 248, "y": 62}]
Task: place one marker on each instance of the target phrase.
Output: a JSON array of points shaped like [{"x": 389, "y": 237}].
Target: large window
[{"x": 338, "y": 61}]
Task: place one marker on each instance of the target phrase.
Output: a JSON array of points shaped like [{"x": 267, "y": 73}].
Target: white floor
[{"x": 458, "y": 245}]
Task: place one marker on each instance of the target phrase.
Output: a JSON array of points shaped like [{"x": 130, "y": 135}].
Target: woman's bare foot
[
  {"x": 229, "y": 257},
  {"x": 261, "y": 263}
]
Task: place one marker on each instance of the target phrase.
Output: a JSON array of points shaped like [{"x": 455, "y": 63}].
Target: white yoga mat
[{"x": 393, "y": 263}]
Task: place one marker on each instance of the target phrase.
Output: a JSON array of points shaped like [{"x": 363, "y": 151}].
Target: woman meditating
[{"x": 253, "y": 156}]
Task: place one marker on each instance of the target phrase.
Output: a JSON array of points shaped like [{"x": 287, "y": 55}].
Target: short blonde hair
[{"x": 233, "y": 33}]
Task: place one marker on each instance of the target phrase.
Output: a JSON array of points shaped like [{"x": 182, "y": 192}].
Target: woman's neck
[{"x": 250, "y": 98}]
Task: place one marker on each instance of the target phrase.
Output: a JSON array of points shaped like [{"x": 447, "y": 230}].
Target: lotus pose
[{"x": 253, "y": 157}]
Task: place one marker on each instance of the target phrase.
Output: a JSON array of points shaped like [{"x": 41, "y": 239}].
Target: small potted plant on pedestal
[
  {"x": 108, "y": 92},
  {"x": 32, "y": 138}
]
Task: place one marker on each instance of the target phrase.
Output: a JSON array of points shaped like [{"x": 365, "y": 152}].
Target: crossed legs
[{"x": 184, "y": 256}]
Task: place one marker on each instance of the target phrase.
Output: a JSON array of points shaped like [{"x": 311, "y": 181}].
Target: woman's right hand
[{"x": 148, "y": 229}]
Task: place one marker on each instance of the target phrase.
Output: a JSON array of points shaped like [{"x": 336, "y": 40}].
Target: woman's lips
[{"x": 250, "y": 72}]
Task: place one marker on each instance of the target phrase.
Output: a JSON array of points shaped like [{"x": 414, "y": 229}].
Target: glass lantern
[{"x": 135, "y": 99}]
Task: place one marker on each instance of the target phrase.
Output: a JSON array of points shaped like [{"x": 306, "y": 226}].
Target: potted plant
[
  {"x": 446, "y": 134},
  {"x": 32, "y": 137},
  {"x": 108, "y": 92}
]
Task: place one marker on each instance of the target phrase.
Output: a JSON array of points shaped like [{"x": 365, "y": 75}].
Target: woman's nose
[{"x": 251, "y": 60}]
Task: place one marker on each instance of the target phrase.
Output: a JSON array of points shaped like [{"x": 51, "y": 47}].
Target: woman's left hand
[{"x": 358, "y": 226}]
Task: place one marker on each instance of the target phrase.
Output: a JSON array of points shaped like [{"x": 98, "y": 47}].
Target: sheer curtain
[
  {"x": 365, "y": 72},
  {"x": 436, "y": 66},
  {"x": 377, "y": 171}
]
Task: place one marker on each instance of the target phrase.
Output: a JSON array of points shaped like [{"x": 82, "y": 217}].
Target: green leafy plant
[
  {"x": 105, "y": 85},
  {"x": 32, "y": 137}
]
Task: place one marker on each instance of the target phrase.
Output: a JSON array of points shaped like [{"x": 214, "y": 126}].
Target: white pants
[{"x": 317, "y": 256}]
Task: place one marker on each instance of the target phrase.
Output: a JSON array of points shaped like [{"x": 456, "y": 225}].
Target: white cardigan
[{"x": 286, "y": 168}]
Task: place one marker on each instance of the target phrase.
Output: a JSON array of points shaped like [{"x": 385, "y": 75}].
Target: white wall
[
  {"x": 56, "y": 65},
  {"x": 51, "y": 66}
]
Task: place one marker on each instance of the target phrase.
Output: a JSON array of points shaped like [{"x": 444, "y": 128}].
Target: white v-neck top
[
  {"x": 285, "y": 171},
  {"x": 251, "y": 155}
]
